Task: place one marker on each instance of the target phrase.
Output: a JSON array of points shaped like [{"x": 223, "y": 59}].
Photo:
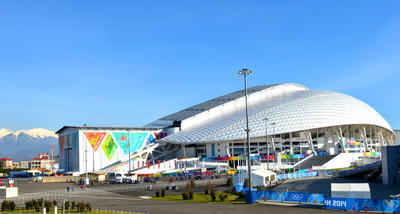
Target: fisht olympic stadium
[{"x": 286, "y": 122}]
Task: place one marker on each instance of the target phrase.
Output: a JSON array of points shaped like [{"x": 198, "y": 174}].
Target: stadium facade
[{"x": 285, "y": 120}]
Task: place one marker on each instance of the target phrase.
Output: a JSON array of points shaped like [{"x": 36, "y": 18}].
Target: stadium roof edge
[{"x": 105, "y": 127}]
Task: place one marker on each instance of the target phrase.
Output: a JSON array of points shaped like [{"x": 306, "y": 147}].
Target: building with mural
[
  {"x": 287, "y": 121},
  {"x": 91, "y": 149}
]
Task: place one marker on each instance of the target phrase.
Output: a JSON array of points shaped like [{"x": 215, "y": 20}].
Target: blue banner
[
  {"x": 331, "y": 203},
  {"x": 300, "y": 197},
  {"x": 296, "y": 175},
  {"x": 341, "y": 204}
]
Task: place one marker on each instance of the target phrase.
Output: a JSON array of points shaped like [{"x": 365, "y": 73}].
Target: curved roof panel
[
  {"x": 297, "y": 111},
  {"x": 196, "y": 109}
]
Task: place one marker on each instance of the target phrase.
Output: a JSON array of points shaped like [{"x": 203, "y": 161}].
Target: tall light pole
[
  {"x": 273, "y": 143},
  {"x": 266, "y": 140},
  {"x": 129, "y": 148},
  {"x": 244, "y": 72}
]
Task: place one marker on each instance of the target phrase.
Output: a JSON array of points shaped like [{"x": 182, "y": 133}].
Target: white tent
[
  {"x": 260, "y": 177},
  {"x": 263, "y": 177}
]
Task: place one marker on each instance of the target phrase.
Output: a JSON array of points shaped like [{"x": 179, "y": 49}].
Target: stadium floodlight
[{"x": 245, "y": 72}]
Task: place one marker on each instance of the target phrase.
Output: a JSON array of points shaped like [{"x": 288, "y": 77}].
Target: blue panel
[{"x": 341, "y": 204}]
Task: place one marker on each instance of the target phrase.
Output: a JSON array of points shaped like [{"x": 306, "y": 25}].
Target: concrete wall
[{"x": 342, "y": 160}]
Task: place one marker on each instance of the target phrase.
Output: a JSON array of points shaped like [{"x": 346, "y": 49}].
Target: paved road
[{"x": 132, "y": 203}]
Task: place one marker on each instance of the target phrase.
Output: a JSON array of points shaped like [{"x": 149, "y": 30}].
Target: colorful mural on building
[
  {"x": 133, "y": 141},
  {"x": 95, "y": 139},
  {"x": 109, "y": 147},
  {"x": 61, "y": 141},
  {"x": 75, "y": 142}
]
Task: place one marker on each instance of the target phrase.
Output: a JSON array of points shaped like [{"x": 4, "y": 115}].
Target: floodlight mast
[{"x": 245, "y": 72}]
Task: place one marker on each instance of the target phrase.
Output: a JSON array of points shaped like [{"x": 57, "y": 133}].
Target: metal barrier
[{"x": 354, "y": 204}]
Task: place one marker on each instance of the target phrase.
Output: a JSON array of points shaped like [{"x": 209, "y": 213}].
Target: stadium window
[
  {"x": 285, "y": 136},
  {"x": 314, "y": 135},
  {"x": 296, "y": 134}
]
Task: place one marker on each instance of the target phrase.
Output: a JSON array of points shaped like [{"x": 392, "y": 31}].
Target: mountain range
[{"x": 26, "y": 144}]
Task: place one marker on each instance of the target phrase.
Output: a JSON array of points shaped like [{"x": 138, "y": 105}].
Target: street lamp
[
  {"x": 129, "y": 149},
  {"x": 273, "y": 142},
  {"x": 245, "y": 72},
  {"x": 266, "y": 140}
]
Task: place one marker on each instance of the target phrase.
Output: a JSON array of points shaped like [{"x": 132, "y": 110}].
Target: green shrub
[
  {"x": 66, "y": 205},
  {"x": 73, "y": 205},
  {"x": 213, "y": 195},
  {"x": 48, "y": 205},
  {"x": 4, "y": 206},
  {"x": 229, "y": 182},
  {"x": 88, "y": 207},
  {"x": 163, "y": 193},
  {"x": 40, "y": 201},
  {"x": 190, "y": 195},
  {"x": 206, "y": 192},
  {"x": 246, "y": 183},
  {"x": 11, "y": 205},
  {"x": 242, "y": 195},
  {"x": 28, "y": 205},
  {"x": 185, "y": 196},
  {"x": 157, "y": 193},
  {"x": 54, "y": 203},
  {"x": 81, "y": 206},
  {"x": 222, "y": 196},
  {"x": 36, "y": 206}
]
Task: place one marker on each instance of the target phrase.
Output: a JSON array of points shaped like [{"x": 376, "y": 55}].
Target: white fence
[{"x": 105, "y": 190}]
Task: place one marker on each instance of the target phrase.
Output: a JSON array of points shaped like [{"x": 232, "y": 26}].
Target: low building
[
  {"x": 7, "y": 163},
  {"x": 42, "y": 163},
  {"x": 24, "y": 164}
]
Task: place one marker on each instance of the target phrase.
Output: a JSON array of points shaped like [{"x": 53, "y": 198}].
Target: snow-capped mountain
[{"x": 26, "y": 144}]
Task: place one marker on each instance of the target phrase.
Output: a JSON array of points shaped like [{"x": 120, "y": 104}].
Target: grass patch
[{"x": 202, "y": 198}]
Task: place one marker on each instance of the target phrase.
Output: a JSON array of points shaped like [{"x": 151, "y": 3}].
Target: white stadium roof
[{"x": 292, "y": 107}]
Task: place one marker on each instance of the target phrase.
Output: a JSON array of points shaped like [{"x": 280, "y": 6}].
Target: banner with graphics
[
  {"x": 132, "y": 141},
  {"x": 61, "y": 141},
  {"x": 109, "y": 147},
  {"x": 68, "y": 141},
  {"x": 151, "y": 139},
  {"x": 75, "y": 142},
  {"x": 300, "y": 197},
  {"x": 122, "y": 140},
  {"x": 95, "y": 139}
]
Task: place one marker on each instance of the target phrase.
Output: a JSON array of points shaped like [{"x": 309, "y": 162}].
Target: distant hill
[{"x": 26, "y": 144}]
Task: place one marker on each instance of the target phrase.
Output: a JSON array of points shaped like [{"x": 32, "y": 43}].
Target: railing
[{"x": 106, "y": 190}]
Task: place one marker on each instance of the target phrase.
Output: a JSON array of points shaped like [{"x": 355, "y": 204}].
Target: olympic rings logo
[{"x": 296, "y": 197}]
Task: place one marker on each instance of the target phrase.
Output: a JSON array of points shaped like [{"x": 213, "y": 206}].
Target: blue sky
[{"x": 127, "y": 63}]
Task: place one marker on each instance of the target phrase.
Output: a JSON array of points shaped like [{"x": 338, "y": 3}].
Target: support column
[
  {"x": 310, "y": 143},
  {"x": 341, "y": 138}
]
